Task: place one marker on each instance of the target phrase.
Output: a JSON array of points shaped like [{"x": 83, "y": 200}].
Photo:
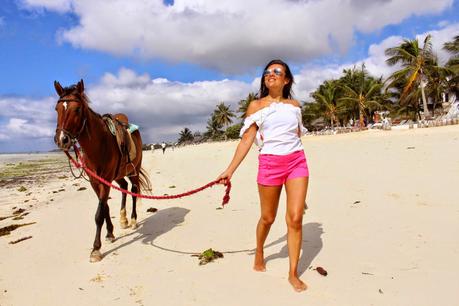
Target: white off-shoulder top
[{"x": 278, "y": 126}]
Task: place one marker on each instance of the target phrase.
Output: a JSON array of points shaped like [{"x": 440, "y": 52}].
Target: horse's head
[{"x": 71, "y": 111}]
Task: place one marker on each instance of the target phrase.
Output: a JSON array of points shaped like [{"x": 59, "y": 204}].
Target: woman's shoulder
[
  {"x": 293, "y": 102},
  {"x": 254, "y": 107},
  {"x": 257, "y": 105}
]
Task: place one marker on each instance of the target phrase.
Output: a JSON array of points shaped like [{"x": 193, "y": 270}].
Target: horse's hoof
[
  {"x": 96, "y": 256},
  {"x": 124, "y": 224},
  {"x": 134, "y": 224},
  {"x": 110, "y": 238}
]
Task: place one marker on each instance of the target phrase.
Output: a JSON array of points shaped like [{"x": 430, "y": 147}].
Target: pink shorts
[{"x": 275, "y": 170}]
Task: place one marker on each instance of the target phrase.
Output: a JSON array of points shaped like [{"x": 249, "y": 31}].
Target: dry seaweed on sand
[
  {"x": 8, "y": 229},
  {"x": 3, "y": 218},
  {"x": 18, "y": 211},
  {"x": 19, "y": 240},
  {"x": 207, "y": 256},
  {"x": 24, "y": 174},
  {"x": 321, "y": 271}
]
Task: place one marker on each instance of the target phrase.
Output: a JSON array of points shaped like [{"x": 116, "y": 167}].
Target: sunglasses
[{"x": 277, "y": 71}]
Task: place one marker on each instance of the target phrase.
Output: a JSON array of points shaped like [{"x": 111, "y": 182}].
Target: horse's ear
[
  {"x": 58, "y": 88},
  {"x": 80, "y": 86}
]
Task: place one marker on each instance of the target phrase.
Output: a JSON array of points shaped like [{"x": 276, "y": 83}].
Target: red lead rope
[{"x": 226, "y": 198}]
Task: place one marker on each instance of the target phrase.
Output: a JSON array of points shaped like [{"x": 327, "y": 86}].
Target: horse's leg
[
  {"x": 123, "y": 220},
  {"x": 135, "y": 189},
  {"x": 108, "y": 221},
  {"x": 102, "y": 209}
]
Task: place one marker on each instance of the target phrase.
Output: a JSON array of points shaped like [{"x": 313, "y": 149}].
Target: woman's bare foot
[
  {"x": 259, "y": 264},
  {"x": 297, "y": 283}
]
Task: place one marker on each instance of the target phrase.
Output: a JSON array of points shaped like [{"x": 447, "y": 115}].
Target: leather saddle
[{"x": 118, "y": 125}]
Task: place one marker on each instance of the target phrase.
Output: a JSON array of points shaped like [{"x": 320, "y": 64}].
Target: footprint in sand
[
  {"x": 394, "y": 195},
  {"x": 98, "y": 278}
]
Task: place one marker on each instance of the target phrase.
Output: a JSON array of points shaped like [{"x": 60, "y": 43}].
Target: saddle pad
[
  {"x": 110, "y": 125},
  {"x": 132, "y": 128}
]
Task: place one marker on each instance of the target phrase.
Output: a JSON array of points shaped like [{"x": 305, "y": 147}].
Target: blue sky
[{"x": 188, "y": 54}]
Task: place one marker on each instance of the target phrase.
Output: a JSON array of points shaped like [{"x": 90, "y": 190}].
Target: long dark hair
[{"x": 287, "y": 92}]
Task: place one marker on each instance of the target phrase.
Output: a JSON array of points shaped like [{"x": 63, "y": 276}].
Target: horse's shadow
[
  {"x": 311, "y": 246},
  {"x": 153, "y": 226},
  {"x": 166, "y": 220}
]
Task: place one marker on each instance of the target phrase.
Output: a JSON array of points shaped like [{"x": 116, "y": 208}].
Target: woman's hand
[{"x": 225, "y": 177}]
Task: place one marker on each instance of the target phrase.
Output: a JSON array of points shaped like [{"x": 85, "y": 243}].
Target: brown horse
[{"x": 77, "y": 122}]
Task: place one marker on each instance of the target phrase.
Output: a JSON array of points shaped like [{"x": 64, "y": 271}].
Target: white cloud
[
  {"x": 312, "y": 76},
  {"x": 162, "y": 107},
  {"x": 233, "y": 36},
  {"x": 32, "y": 110},
  {"x": 60, "y": 6},
  {"x": 443, "y": 23},
  {"x": 439, "y": 37},
  {"x": 23, "y": 127},
  {"x": 26, "y": 119}
]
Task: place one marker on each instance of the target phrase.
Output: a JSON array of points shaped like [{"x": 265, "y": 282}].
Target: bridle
[{"x": 73, "y": 138}]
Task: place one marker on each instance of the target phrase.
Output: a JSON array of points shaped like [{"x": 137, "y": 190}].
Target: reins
[
  {"x": 73, "y": 138},
  {"x": 91, "y": 173},
  {"x": 82, "y": 172}
]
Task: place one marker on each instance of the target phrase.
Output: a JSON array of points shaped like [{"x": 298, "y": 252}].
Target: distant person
[
  {"x": 163, "y": 146},
  {"x": 274, "y": 123}
]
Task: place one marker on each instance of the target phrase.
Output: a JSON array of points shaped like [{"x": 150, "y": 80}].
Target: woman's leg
[
  {"x": 296, "y": 195},
  {"x": 269, "y": 201}
]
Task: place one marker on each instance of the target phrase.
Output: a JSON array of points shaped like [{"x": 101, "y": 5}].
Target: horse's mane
[{"x": 73, "y": 90}]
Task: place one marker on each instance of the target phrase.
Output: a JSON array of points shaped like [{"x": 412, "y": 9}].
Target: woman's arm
[
  {"x": 297, "y": 104},
  {"x": 242, "y": 148},
  {"x": 241, "y": 151}
]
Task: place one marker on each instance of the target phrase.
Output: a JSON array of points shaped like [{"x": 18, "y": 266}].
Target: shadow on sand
[
  {"x": 167, "y": 219},
  {"x": 153, "y": 226},
  {"x": 312, "y": 244}
]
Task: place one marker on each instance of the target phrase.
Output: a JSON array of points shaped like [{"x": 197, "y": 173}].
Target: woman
[{"x": 274, "y": 123}]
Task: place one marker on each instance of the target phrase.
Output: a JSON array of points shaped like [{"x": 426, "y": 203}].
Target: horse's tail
[{"x": 144, "y": 180}]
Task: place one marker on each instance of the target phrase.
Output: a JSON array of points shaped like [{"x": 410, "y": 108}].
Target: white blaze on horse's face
[
  {"x": 65, "y": 105},
  {"x": 61, "y": 137}
]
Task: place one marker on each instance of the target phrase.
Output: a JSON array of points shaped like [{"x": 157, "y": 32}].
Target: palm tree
[
  {"x": 437, "y": 81},
  {"x": 408, "y": 107},
  {"x": 222, "y": 115},
  {"x": 244, "y": 104},
  {"x": 185, "y": 135},
  {"x": 326, "y": 97},
  {"x": 453, "y": 63},
  {"x": 365, "y": 94},
  {"x": 415, "y": 62},
  {"x": 214, "y": 129},
  {"x": 310, "y": 112},
  {"x": 453, "y": 48}
]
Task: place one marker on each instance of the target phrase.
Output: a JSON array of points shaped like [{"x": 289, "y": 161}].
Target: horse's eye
[{"x": 78, "y": 110}]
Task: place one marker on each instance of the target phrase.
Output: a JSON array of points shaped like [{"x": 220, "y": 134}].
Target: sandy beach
[{"x": 382, "y": 220}]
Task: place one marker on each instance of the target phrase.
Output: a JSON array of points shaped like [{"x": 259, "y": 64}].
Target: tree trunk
[
  {"x": 361, "y": 111},
  {"x": 361, "y": 120},
  {"x": 424, "y": 101}
]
